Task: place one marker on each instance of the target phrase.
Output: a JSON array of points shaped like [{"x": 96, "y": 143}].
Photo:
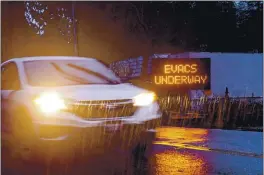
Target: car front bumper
[
  {"x": 94, "y": 140},
  {"x": 66, "y": 134}
]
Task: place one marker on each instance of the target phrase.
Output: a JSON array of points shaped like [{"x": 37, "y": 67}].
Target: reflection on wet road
[
  {"x": 202, "y": 151},
  {"x": 170, "y": 160},
  {"x": 182, "y": 137},
  {"x": 224, "y": 141},
  {"x": 183, "y": 151}
]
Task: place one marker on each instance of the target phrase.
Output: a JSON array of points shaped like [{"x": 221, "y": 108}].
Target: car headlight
[
  {"x": 144, "y": 99},
  {"x": 50, "y": 103}
]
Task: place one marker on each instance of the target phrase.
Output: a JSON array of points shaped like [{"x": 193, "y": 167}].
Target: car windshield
[{"x": 68, "y": 72}]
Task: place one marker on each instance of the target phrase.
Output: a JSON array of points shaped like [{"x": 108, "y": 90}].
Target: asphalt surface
[
  {"x": 175, "y": 151},
  {"x": 202, "y": 151}
]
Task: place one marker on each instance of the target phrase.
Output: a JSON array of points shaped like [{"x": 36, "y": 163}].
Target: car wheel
[
  {"x": 143, "y": 149},
  {"x": 22, "y": 138},
  {"x": 138, "y": 152}
]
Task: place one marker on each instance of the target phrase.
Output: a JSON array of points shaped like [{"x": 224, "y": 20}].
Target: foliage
[
  {"x": 233, "y": 112},
  {"x": 39, "y": 15},
  {"x": 34, "y": 16}
]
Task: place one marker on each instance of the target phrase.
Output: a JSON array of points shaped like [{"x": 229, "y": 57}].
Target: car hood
[{"x": 93, "y": 92}]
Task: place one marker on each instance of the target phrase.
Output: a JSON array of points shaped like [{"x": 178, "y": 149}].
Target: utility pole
[{"x": 75, "y": 30}]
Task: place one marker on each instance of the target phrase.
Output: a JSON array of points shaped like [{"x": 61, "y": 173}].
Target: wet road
[
  {"x": 202, "y": 151},
  {"x": 175, "y": 151}
]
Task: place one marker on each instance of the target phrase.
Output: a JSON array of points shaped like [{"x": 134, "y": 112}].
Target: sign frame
[{"x": 203, "y": 73}]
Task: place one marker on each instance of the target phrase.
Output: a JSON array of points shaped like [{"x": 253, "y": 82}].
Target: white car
[{"x": 67, "y": 104}]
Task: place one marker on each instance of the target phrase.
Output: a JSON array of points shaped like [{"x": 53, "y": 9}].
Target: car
[{"x": 63, "y": 105}]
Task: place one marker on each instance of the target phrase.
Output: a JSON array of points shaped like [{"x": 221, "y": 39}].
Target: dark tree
[
  {"x": 196, "y": 26},
  {"x": 250, "y": 26}
]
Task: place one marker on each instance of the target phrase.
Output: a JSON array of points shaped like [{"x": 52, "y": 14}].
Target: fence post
[
  {"x": 222, "y": 110},
  {"x": 219, "y": 118},
  {"x": 227, "y": 108}
]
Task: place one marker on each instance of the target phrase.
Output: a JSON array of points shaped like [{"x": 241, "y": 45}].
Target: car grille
[{"x": 102, "y": 109}]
